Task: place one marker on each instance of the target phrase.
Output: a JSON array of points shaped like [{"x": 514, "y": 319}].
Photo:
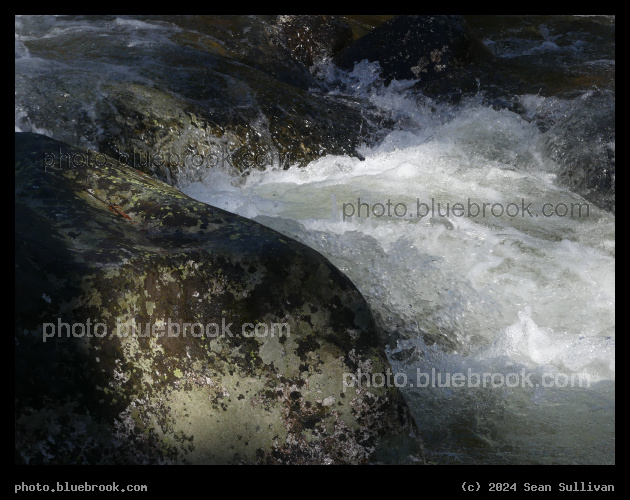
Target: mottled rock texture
[{"x": 108, "y": 260}]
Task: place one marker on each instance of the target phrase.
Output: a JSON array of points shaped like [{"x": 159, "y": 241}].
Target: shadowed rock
[
  {"x": 417, "y": 47},
  {"x": 152, "y": 328},
  {"x": 582, "y": 143},
  {"x": 311, "y": 37}
]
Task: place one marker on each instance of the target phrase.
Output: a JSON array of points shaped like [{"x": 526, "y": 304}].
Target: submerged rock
[
  {"x": 549, "y": 55},
  {"x": 152, "y": 328}
]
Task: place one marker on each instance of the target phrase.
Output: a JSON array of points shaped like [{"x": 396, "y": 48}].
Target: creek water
[{"x": 492, "y": 285}]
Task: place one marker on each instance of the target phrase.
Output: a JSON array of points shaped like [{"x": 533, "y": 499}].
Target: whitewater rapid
[
  {"x": 500, "y": 325},
  {"x": 525, "y": 286}
]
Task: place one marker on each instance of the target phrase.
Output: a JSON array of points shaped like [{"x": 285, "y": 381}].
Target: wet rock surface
[
  {"x": 548, "y": 55},
  {"x": 177, "y": 96},
  {"x": 311, "y": 37},
  {"x": 112, "y": 264},
  {"x": 419, "y": 48},
  {"x": 582, "y": 143},
  {"x": 200, "y": 91},
  {"x": 174, "y": 96}
]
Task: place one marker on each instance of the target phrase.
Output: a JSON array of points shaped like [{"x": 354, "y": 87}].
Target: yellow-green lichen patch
[
  {"x": 150, "y": 306},
  {"x": 282, "y": 356},
  {"x": 235, "y": 432}
]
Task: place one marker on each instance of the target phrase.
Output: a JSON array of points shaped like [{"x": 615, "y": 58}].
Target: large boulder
[
  {"x": 246, "y": 121},
  {"x": 232, "y": 92},
  {"x": 417, "y": 48},
  {"x": 152, "y": 328}
]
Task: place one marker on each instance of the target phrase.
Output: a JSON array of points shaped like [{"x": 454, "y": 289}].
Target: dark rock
[
  {"x": 582, "y": 143},
  {"x": 549, "y": 55},
  {"x": 214, "y": 91},
  {"x": 245, "y": 121},
  {"x": 104, "y": 252},
  {"x": 361, "y": 25},
  {"x": 311, "y": 37},
  {"x": 249, "y": 40},
  {"x": 417, "y": 47}
]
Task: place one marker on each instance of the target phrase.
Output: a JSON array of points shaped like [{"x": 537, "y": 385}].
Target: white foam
[
  {"x": 536, "y": 293},
  {"x": 479, "y": 273},
  {"x": 135, "y": 23}
]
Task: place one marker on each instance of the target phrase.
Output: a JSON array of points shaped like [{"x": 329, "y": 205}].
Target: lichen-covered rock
[
  {"x": 417, "y": 48},
  {"x": 152, "y": 328}
]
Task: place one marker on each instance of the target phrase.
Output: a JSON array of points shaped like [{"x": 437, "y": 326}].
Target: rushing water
[{"x": 497, "y": 302}]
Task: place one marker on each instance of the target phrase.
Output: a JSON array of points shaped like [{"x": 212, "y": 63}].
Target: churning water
[
  {"x": 493, "y": 285},
  {"x": 460, "y": 293}
]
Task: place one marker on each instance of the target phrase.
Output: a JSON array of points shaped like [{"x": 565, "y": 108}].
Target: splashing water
[
  {"x": 492, "y": 285},
  {"x": 521, "y": 290}
]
